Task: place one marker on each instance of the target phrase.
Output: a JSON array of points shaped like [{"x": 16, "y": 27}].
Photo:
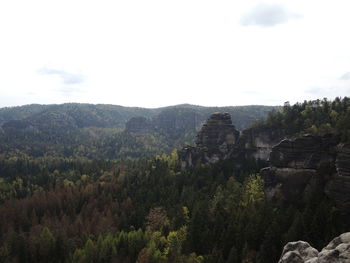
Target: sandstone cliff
[
  {"x": 309, "y": 165},
  {"x": 298, "y": 168},
  {"x": 297, "y": 165},
  {"x": 338, "y": 186},
  {"x": 219, "y": 140},
  {"x": 257, "y": 142},
  {"x": 215, "y": 141}
]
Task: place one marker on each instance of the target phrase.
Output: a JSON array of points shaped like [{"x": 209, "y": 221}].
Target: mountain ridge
[{"x": 64, "y": 128}]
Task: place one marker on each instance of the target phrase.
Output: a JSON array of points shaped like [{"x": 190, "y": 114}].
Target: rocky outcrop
[
  {"x": 298, "y": 166},
  {"x": 306, "y": 152},
  {"x": 309, "y": 165},
  {"x": 342, "y": 162},
  {"x": 337, "y": 251},
  {"x": 218, "y": 135},
  {"x": 219, "y": 140},
  {"x": 258, "y": 141},
  {"x": 215, "y": 141},
  {"x": 190, "y": 156},
  {"x": 338, "y": 186},
  {"x": 300, "y": 251}
]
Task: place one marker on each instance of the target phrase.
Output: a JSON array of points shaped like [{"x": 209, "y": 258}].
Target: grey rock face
[
  {"x": 337, "y": 251},
  {"x": 298, "y": 252},
  {"x": 259, "y": 141},
  {"x": 309, "y": 163},
  {"x": 342, "y": 162},
  {"x": 217, "y": 136},
  {"x": 190, "y": 156},
  {"x": 218, "y": 140},
  {"x": 306, "y": 152},
  {"x": 215, "y": 142},
  {"x": 295, "y": 167},
  {"x": 338, "y": 187}
]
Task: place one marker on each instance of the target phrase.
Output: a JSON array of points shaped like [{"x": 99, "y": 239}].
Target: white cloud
[
  {"x": 345, "y": 76},
  {"x": 66, "y": 77},
  {"x": 268, "y": 15}
]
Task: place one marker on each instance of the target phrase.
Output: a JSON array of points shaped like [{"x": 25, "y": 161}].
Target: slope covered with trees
[
  {"x": 60, "y": 209},
  {"x": 317, "y": 117}
]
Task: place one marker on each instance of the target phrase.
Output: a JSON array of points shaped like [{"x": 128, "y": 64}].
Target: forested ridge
[
  {"x": 149, "y": 209},
  {"x": 98, "y": 131},
  {"x": 318, "y": 117}
]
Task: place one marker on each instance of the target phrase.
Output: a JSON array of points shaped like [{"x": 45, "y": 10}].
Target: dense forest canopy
[
  {"x": 317, "y": 117},
  {"x": 73, "y": 209}
]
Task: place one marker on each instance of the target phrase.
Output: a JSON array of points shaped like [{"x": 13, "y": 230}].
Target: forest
[
  {"x": 101, "y": 207},
  {"x": 91, "y": 131}
]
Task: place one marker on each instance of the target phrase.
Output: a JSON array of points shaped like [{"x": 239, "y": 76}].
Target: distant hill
[
  {"x": 104, "y": 115},
  {"x": 84, "y": 115},
  {"x": 98, "y": 131}
]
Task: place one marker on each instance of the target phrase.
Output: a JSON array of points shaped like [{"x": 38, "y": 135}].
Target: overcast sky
[{"x": 153, "y": 53}]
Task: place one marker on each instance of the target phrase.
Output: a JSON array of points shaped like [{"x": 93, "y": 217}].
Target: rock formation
[
  {"x": 342, "y": 162},
  {"x": 215, "y": 141},
  {"x": 337, "y": 251},
  {"x": 217, "y": 136},
  {"x": 338, "y": 186},
  {"x": 299, "y": 165},
  {"x": 298, "y": 168},
  {"x": 309, "y": 165},
  {"x": 219, "y": 140},
  {"x": 258, "y": 141},
  {"x": 306, "y": 152}
]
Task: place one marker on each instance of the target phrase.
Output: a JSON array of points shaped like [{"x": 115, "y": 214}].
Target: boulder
[
  {"x": 337, "y": 251},
  {"x": 298, "y": 252}
]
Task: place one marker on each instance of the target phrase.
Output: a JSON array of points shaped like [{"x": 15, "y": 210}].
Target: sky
[{"x": 153, "y": 53}]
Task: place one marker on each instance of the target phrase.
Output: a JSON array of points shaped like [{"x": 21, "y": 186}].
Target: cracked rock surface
[{"x": 337, "y": 251}]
